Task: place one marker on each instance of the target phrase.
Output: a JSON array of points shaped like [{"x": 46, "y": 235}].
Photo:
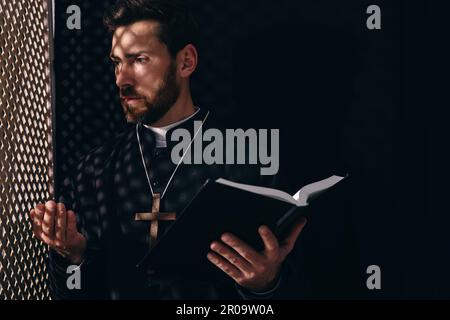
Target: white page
[
  {"x": 300, "y": 199},
  {"x": 314, "y": 188},
  {"x": 272, "y": 193}
]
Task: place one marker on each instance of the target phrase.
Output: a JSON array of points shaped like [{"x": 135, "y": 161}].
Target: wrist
[
  {"x": 77, "y": 256},
  {"x": 269, "y": 286},
  {"x": 76, "y": 259}
]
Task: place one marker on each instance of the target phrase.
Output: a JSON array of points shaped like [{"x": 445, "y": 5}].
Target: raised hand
[{"x": 56, "y": 227}]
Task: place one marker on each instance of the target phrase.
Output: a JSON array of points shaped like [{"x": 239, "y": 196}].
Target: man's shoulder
[{"x": 102, "y": 153}]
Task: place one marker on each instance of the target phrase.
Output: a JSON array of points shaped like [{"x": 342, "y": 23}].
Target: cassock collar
[
  {"x": 161, "y": 132},
  {"x": 188, "y": 125},
  {"x": 150, "y": 137}
]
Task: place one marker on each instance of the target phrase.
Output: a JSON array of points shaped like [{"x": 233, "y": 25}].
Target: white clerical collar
[{"x": 160, "y": 133}]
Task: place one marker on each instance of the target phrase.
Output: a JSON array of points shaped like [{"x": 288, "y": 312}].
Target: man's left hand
[{"x": 256, "y": 271}]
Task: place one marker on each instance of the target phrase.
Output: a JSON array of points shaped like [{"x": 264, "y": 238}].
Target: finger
[
  {"x": 39, "y": 213},
  {"x": 61, "y": 218},
  {"x": 225, "y": 266},
  {"x": 71, "y": 223},
  {"x": 231, "y": 256},
  {"x": 35, "y": 224},
  {"x": 289, "y": 241},
  {"x": 46, "y": 239},
  {"x": 39, "y": 233},
  {"x": 49, "y": 219},
  {"x": 271, "y": 246},
  {"x": 33, "y": 215},
  {"x": 247, "y": 252}
]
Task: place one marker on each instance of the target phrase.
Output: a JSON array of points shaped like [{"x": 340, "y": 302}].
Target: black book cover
[{"x": 216, "y": 209}]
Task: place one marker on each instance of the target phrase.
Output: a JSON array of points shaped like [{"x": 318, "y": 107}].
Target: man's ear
[{"x": 187, "y": 60}]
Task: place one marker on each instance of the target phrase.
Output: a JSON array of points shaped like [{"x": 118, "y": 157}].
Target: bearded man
[{"x": 94, "y": 224}]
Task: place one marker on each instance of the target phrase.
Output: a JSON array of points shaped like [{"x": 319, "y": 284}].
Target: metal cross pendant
[{"x": 154, "y": 217}]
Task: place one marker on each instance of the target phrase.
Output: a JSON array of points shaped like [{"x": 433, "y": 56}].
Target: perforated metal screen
[{"x": 25, "y": 144}]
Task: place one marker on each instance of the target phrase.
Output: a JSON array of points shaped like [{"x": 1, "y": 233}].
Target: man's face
[{"x": 145, "y": 72}]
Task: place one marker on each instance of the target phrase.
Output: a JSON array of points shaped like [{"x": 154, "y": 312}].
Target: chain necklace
[{"x": 179, "y": 162}]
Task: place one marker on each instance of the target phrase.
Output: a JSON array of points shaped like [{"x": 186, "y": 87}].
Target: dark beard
[{"x": 164, "y": 99}]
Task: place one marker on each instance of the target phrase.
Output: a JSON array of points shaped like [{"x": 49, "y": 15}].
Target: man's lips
[{"x": 129, "y": 99}]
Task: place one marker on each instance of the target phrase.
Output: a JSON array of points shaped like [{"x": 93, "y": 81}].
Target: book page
[
  {"x": 268, "y": 192},
  {"x": 309, "y": 191}
]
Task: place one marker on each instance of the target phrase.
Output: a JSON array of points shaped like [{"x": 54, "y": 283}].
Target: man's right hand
[{"x": 56, "y": 227}]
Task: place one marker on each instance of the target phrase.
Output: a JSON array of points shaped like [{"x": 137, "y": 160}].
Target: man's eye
[{"x": 141, "y": 60}]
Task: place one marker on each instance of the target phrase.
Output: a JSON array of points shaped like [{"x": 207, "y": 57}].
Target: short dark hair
[{"x": 178, "y": 27}]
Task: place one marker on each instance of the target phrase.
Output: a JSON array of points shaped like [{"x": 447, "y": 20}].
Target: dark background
[{"x": 371, "y": 103}]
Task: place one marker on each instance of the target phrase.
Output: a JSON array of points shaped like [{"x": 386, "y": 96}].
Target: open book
[
  {"x": 300, "y": 199},
  {"x": 226, "y": 206}
]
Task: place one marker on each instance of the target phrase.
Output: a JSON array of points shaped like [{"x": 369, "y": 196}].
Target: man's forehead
[{"x": 141, "y": 34}]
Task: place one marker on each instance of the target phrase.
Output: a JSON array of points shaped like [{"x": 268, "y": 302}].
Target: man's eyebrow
[{"x": 129, "y": 55}]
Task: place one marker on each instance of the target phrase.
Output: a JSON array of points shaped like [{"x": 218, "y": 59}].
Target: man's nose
[{"x": 124, "y": 76}]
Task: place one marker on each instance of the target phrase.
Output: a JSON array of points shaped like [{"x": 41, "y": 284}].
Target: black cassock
[{"x": 109, "y": 187}]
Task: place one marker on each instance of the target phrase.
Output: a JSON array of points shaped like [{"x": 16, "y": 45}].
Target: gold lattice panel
[{"x": 25, "y": 144}]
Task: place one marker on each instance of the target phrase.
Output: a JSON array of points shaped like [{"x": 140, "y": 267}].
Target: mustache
[{"x": 129, "y": 92}]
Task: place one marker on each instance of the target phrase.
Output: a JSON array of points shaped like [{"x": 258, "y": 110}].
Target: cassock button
[{"x": 155, "y": 184}]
